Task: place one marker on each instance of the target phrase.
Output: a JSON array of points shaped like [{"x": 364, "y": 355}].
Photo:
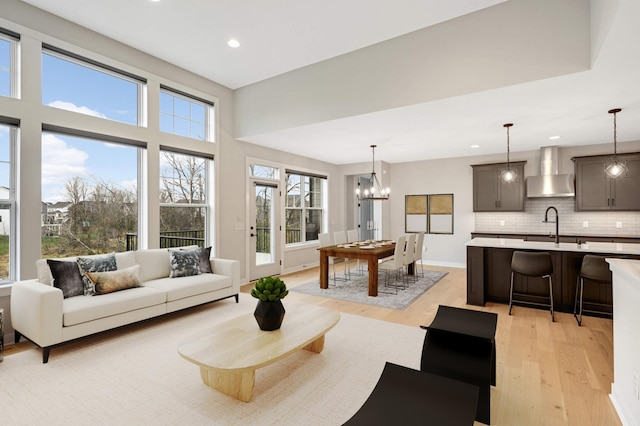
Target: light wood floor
[{"x": 547, "y": 373}]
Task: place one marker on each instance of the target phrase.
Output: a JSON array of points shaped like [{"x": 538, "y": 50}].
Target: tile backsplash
[{"x": 571, "y": 222}]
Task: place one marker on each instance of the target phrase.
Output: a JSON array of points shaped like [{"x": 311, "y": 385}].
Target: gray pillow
[
  {"x": 205, "y": 262},
  {"x": 184, "y": 263},
  {"x": 102, "y": 263},
  {"x": 66, "y": 277}
]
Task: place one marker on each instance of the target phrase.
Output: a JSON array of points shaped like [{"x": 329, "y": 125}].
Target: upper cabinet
[
  {"x": 596, "y": 191},
  {"x": 491, "y": 194}
]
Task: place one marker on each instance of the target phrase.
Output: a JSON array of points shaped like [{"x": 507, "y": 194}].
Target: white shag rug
[{"x": 134, "y": 375}]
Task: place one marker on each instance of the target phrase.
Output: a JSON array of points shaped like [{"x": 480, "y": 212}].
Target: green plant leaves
[{"x": 269, "y": 289}]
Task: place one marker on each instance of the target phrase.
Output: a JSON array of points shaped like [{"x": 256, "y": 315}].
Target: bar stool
[
  {"x": 594, "y": 268},
  {"x": 532, "y": 264}
]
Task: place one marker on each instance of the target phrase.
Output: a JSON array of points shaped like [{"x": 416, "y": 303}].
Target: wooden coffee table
[{"x": 229, "y": 352}]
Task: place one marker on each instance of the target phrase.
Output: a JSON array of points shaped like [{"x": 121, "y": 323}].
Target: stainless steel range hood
[{"x": 550, "y": 183}]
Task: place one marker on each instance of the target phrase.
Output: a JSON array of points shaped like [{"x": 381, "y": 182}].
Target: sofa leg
[
  {"x": 16, "y": 336},
  {"x": 45, "y": 354},
  {"x": 237, "y": 299}
]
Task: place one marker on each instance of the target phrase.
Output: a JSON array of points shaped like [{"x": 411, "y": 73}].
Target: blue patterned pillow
[
  {"x": 104, "y": 263},
  {"x": 184, "y": 263}
]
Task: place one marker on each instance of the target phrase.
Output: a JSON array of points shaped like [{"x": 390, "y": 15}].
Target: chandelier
[
  {"x": 615, "y": 168},
  {"x": 508, "y": 174},
  {"x": 375, "y": 190}
]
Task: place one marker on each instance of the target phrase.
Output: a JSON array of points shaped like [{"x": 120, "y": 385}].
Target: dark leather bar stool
[
  {"x": 532, "y": 264},
  {"x": 594, "y": 268}
]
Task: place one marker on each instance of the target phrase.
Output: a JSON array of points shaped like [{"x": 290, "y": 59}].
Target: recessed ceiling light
[
  {"x": 233, "y": 43},
  {"x": 554, "y": 137},
  {"x": 475, "y": 146}
]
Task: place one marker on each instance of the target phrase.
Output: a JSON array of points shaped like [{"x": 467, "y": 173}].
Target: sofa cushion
[
  {"x": 98, "y": 263},
  {"x": 80, "y": 309},
  {"x": 179, "y": 288},
  {"x": 123, "y": 260},
  {"x": 108, "y": 282},
  {"x": 154, "y": 264},
  {"x": 184, "y": 263},
  {"x": 66, "y": 277}
]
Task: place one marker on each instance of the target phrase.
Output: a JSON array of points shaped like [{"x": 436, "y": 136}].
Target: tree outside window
[{"x": 304, "y": 208}]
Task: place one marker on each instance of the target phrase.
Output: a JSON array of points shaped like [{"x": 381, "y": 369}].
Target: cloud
[
  {"x": 60, "y": 162},
  {"x": 72, "y": 107}
]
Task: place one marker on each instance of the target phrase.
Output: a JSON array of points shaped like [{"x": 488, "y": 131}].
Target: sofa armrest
[
  {"x": 230, "y": 268},
  {"x": 36, "y": 312}
]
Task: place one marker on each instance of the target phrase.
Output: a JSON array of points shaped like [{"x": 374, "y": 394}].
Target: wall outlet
[
  {"x": 619, "y": 225},
  {"x": 585, "y": 224},
  {"x": 502, "y": 223}
]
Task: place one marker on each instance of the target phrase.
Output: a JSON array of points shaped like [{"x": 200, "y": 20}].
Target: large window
[
  {"x": 184, "y": 115},
  {"x": 304, "y": 207},
  {"x": 89, "y": 205},
  {"x": 184, "y": 205},
  {"x": 8, "y": 46},
  {"x": 7, "y": 203},
  {"x": 80, "y": 85}
]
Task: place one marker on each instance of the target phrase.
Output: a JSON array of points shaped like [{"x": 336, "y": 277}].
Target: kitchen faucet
[{"x": 557, "y": 222}]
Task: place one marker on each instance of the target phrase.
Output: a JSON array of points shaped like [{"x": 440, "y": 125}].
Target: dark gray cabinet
[
  {"x": 490, "y": 194},
  {"x": 596, "y": 191}
]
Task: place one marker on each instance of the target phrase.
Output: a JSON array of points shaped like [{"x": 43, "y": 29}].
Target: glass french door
[{"x": 264, "y": 230}]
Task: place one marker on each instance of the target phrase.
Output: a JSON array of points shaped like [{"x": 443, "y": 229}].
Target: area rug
[
  {"x": 134, "y": 376},
  {"x": 357, "y": 290}
]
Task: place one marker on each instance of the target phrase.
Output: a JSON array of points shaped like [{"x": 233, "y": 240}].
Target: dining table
[{"x": 371, "y": 251}]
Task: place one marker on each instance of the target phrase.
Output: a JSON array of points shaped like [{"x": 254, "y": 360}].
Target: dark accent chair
[
  {"x": 460, "y": 344},
  {"x": 532, "y": 264}
]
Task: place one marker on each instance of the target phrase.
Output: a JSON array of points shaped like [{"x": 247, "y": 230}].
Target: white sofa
[{"x": 40, "y": 313}]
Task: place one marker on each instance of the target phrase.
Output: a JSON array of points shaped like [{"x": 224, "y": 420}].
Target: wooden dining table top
[{"x": 355, "y": 250}]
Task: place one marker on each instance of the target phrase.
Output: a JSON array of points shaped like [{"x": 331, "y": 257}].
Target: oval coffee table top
[{"x": 238, "y": 343}]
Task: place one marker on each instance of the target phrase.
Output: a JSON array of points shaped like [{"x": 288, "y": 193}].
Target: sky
[{"x": 82, "y": 90}]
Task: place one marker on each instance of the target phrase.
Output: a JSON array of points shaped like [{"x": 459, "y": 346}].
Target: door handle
[{"x": 252, "y": 235}]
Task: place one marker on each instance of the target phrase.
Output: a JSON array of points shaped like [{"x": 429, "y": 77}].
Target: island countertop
[{"x": 586, "y": 247}]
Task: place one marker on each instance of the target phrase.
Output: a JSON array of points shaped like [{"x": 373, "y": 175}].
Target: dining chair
[
  {"x": 325, "y": 240},
  {"x": 340, "y": 237},
  {"x": 409, "y": 257},
  {"x": 418, "y": 254},
  {"x": 395, "y": 265},
  {"x": 352, "y": 237}
]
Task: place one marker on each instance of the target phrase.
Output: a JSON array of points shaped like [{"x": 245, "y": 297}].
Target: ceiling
[{"x": 279, "y": 36}]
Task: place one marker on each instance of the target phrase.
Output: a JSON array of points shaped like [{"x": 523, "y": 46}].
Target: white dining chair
[
  {"x": 418, "y": 256},
  {"x": 410, "y": 254},
  {"x": 395, "y": 265},
  {"x": 340, "y": 237},
  {"x": 352, "y": 237}
]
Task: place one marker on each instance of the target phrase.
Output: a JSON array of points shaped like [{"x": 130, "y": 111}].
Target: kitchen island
[{"x": 489, "y": 270}]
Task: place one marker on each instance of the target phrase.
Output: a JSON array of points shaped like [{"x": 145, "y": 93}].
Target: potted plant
[{"x": 270, "y": 312}]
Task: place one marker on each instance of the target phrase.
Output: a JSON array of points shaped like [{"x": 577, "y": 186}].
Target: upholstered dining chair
[
  {"x": 410, "y": 253},
  {"x": 418, "y": 254},
  {"x": 340, "y": 237},
  {"x": 394, "y": 265},
  {"x": 325, "y": 240},
  {"x": 352, "y": 237}
]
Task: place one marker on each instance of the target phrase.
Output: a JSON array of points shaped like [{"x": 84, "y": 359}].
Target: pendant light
[
  {"x": 508, "y": 175},
  {"x": 375, "y": 190},
  {"x": 615, "y": 168}
]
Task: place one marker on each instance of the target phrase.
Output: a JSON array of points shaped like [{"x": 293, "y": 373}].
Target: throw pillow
[
  {"x": 66, "y": 277},
  {"x": 184, "y": 263},
  {"x": 108, "y": 282},
  {"x": 205, "y": 262},
  {"x": 102, "y": 263}
]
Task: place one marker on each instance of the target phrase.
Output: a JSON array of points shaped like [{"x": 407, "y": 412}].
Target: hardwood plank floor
[{"x": 547, "y": 373}]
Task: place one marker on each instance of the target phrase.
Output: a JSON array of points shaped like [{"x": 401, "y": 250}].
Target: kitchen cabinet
[
  {"x": 595, "y": 191},
  {"x": 489, "y": 272},
  {"x": 491, "y": 194}
]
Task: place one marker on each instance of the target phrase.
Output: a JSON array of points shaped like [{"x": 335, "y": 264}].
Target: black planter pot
[{"x": 269, "y": 315}]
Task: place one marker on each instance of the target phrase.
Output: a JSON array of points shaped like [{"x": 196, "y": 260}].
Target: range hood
[{"x": 550, "y": 183}]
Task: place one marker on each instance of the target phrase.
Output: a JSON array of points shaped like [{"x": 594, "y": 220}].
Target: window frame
[
  {"x": 305, "y": 178},
  {"x": 14, "y": 44},
  {"x": 207, "y": 193},
  {"x": 103, "y": 68},
  {"x": 14, "y": 135},
  {"x": 208, "y": 106}
]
